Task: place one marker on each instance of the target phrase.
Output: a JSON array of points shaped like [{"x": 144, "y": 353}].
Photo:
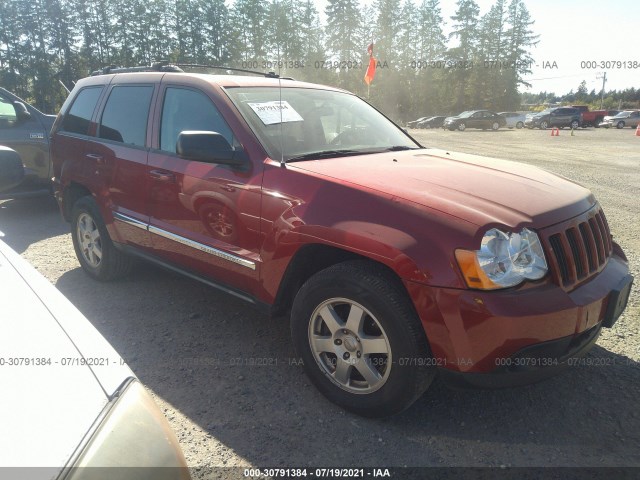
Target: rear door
[
  {"x": 118, "y": 157},
  {"x": 204, "y": 217}
]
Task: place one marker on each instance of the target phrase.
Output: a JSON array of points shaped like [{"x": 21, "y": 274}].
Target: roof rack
[
  {"x": 218, "y": 67},
  {"x": 165, "y": 66}
]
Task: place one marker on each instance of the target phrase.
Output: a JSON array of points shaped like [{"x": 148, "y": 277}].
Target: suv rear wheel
[
  {"x": 94, "y": 249},
  {"x": 575, "y": 124},
  {"x": 360, "y": 339}
]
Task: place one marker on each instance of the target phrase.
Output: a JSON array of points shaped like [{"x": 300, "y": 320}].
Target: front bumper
[{"x": 521, "y": 335}]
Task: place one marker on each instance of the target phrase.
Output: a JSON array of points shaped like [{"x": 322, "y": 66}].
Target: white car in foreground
[{"x": 68, "y": 400}]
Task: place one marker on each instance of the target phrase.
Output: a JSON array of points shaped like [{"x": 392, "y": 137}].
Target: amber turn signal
[{"x": 472, "y": 272}]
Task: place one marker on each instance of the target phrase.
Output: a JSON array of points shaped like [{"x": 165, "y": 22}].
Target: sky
[{"x": 572, "y": 32}]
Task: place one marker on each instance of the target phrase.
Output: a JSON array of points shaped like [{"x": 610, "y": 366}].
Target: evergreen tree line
[{"x": 481, "y": 63}]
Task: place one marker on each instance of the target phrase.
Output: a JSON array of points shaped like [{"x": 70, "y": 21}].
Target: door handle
[
  {"x": 98, "y": 158},
  {"x": 162, "y": 176}
]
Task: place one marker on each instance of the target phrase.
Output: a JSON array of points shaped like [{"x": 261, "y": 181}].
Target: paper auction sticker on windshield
[{"x": 275, "y": 112}]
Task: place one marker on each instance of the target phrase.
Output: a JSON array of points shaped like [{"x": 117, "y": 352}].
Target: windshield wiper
[
  {"x": 398, "y": 148},
  {"x": 347, "y": 153},
  {"x": 325, "y": 154}
]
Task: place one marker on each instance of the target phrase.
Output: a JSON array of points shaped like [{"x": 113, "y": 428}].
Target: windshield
[
  {"x": 315, "y": 123},
  {"x": 623, "y": 114},
  {"x": 546, "y": 112},
  {"x": 466, "y": 114}
]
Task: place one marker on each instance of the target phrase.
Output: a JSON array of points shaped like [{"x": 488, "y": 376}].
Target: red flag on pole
[{"x": 371, "y": 70}]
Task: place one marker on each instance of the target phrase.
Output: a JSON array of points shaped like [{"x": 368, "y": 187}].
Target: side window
[
  {"x": 79, "y": 115},
  {"x": 8, "y": 117},
  {"x": 125, "y": 115},
  {"x": 185, "y": 109}
]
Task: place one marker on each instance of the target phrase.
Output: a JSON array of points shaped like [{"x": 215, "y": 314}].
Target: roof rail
[
  {"x": 241, "y": 70},
  {"x": 163, "y": 66}
]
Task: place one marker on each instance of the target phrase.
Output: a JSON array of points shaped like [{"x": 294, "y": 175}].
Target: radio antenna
[{"x": 282, "y": 162}]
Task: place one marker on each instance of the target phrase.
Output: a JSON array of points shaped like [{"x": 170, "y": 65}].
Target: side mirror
[
  {"x": 209, "y": 147},
  {"x": 21, "y": 111},
  {"x": 11, "y": 168}
]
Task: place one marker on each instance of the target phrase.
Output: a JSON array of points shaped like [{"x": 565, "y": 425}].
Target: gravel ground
[{"x": 227, "y": 380}]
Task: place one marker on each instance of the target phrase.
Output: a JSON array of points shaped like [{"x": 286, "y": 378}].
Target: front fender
[{"x": 417, "y": 243}]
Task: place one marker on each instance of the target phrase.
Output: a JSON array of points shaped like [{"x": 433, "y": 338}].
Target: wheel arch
[
  {"x": 310, "y": 259},
  {"x": 72, "y": 193}
]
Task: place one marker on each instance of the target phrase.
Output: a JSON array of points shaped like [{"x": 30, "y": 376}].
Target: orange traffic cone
[
  {"x": 555, "y": 132},
  {"x": 638, "y": 131}
]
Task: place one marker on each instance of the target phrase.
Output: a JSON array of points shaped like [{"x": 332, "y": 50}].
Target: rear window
[
  {"x": 126, "y": 113},
  {"x": 79, "y": 115}
]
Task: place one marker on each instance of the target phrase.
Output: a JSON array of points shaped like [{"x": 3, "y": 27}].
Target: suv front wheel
[
  {"x": 94, "y": 248},
  {"x": 360, "y": 339}
]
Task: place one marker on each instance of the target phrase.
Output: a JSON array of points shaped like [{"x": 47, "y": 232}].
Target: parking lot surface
[{"x": 226, "y": 377}]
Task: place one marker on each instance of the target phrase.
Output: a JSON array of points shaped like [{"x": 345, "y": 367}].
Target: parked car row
[{"x": 571, "y": 117}]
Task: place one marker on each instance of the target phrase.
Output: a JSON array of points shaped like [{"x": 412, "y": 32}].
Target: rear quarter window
[{"x": 79, "y": 115}]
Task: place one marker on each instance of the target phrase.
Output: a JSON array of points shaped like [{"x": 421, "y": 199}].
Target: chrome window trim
[{"x": 185, "y": 241}]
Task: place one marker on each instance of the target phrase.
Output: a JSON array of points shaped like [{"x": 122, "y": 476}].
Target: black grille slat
[
  {"x": 599, "y": 241},
  {"x": 561, "y": 257},
  {"x": 605, "y": 234},
  {"x": 590, "y": 245},
  {"x": 606, "y": 228},
  {"x": 576, "y": 252}
]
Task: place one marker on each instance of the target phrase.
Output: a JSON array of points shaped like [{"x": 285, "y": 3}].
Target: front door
[{"x": 204, "y": 216}]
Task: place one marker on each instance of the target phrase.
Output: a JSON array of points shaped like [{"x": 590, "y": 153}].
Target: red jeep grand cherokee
[{"x": 395, "y": 261}]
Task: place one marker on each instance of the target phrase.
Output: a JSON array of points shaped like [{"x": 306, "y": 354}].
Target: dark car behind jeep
[
  {"x": 394, "y": 262},
  {"x": 26, "y": 130},
  {"x": 554, "y": 117}
]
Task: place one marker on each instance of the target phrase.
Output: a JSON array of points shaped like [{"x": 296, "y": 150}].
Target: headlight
[
  {"x": 503, "y": 260},
  {"x": 133, "y": 434}
]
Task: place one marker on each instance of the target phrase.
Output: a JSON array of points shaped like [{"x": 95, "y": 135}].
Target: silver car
[
  {"x": 68, "y": 399},
  {"x": 514, "y": 119},
  {"x": 628, "y": 118}
]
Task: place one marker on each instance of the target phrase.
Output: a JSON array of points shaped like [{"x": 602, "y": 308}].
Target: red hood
[{"x": 477, "y": 189}]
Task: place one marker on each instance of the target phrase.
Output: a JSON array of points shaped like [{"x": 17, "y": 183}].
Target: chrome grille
[{"x": 579, "y": 249}]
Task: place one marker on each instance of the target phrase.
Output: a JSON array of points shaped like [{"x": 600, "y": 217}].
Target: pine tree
[{"x": 465, "y": 29}]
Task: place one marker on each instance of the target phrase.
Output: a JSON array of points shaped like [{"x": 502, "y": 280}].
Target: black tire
[
  {"x": 620, "y": 124},
  {"x": 519, "y": 125},
  {"x": 386, "y": 304},
  {"x": 112, "y": 263},
  {"x": 543, "y": 125},
  {"x": 462, "y": 126},
  {"x": 575, "y": 124},
  {"x": 495, "y": 126}
]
